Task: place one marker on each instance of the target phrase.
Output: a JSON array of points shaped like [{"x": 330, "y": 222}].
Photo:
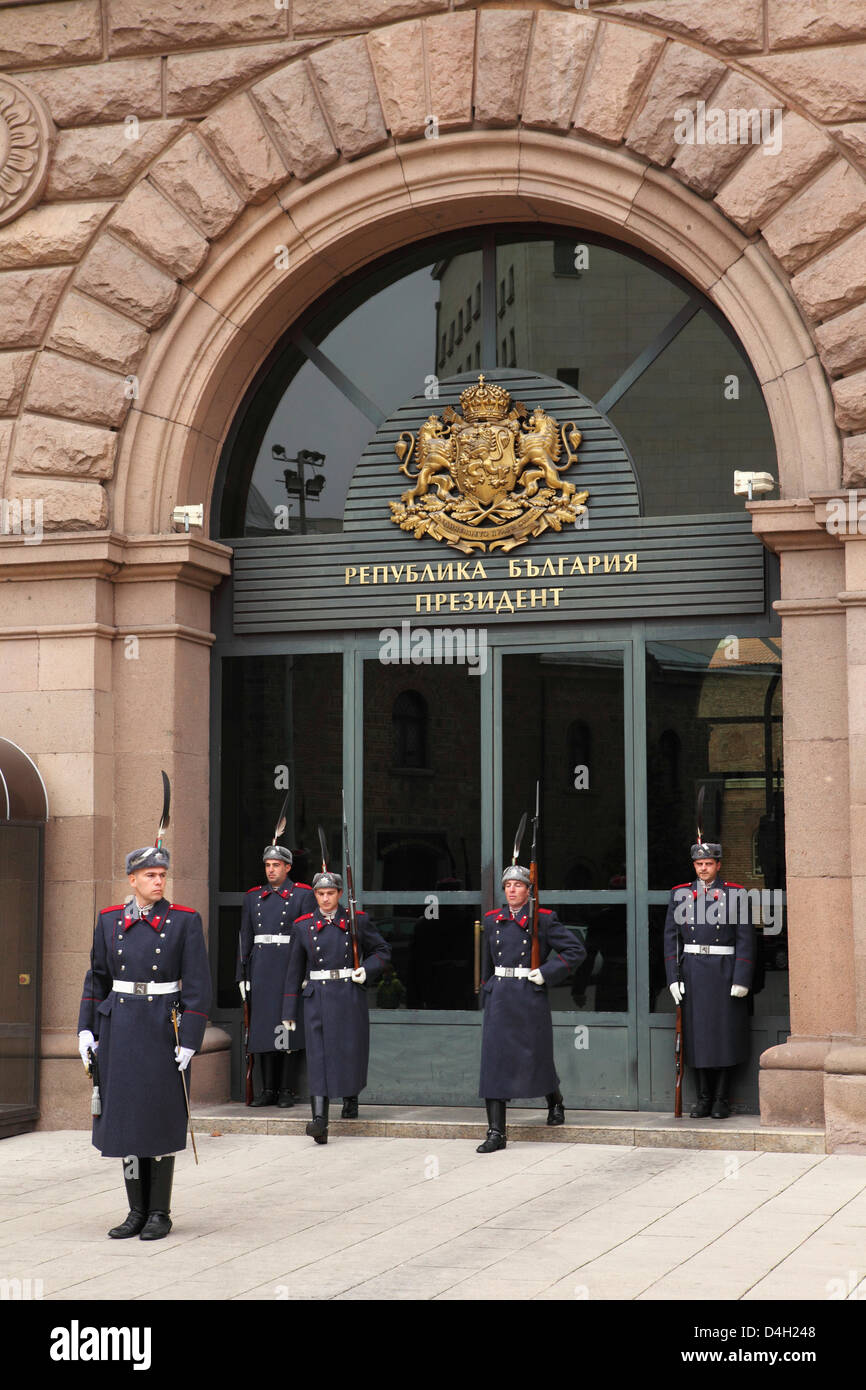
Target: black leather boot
[
  {"x": 721, "y": 1108},
  {"x": 701, "y": 1108},
  {"x": 318, "y": 1126},
  {"x": 136, "y": 1176},
  {"x": 495, "y": 1128},
  {"x": 350, "y": 1108},
  {"x": 268, "y": 1095},
  {"x": 158, "y": 1222},
  {"x": 555, "y": 1108},
  {"x": 285, "y": 1095}
]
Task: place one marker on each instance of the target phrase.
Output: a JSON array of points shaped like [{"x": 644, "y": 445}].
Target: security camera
[
  {"x": 747, "y": 484},
  {"x": 189, "y": 516}
]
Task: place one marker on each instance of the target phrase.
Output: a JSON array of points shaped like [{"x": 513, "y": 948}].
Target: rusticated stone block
[
  {"x": 27, "y": 300},
  {"x": 66, "y": 506},
  {"x": 291, "y": 107},
  {"x": 501, "y": 52},
  {"x": 619, "y": 69},
  {"x": 849, "y": 393},
  {"x": 828, "y": 82},
  {"x": 683, "y": 77},
  {"x": 763, "y": 182},
  {"x": 854, "y": 461},
  {"x": 344, "y": 76},
  {"x": 90, "y": 330},
  {"x": 834, "y": 204},
  {"x": 193, "y": 180},
  {"x": 814, "y": 21},
  {"x": 705, "y": 166},
  {"x": 730, "y": 26},
  {"x": 102, "y": 160},
  {"x": 114, "y": 273},
  {"x": 62, "y": 448},
  {"x": 842, "y": 341},
  {"x": 159, "y": 231},
  {"x": 835, "y": 282},
  {"x": 54, "y": 33},
  {"x": 853, "y": 137},
  {"x": 237, "y": 134},
  {"x": 312, "y": 17},
  {"x": 398, "y": 60},
  {"x": 449, "y": 42},
  {"x": 77, "y": 390},
  {"x": 54, "y": 234},
  {"x": 141, "y": 26},
  {"x": 14, "y": 367},
  {"x": 104, "y": 92},
  {"x": 194, "y": 82},
  {"x": 560, "y": 47}
]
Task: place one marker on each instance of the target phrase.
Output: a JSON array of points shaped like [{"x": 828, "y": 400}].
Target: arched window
[{"x": 409, "y": 717}]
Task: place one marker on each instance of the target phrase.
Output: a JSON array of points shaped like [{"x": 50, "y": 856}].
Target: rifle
[
  {"x": 183, "y": 1082},
  {"x": 678, "y": 1062},
  {"x": 93, "y": 1073},
  {"x": 535, "y": 953},
  {"x": 350, "y": 889},
  {"x": 248, "y": 1056}
]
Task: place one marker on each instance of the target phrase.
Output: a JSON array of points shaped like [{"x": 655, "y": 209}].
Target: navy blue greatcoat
[
  {"x": 270, "y": 912},
  {"x": 143, "y": 1109},
  {"x": 335, "y": 1011},
  {"x": 715, "y": 1026},
  {"x": 517, "y": 1036}
]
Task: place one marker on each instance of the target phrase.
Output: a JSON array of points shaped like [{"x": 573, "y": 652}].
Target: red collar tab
[
  {"x": 151, "y": 922},
  {"x": 338, "y": 922}
]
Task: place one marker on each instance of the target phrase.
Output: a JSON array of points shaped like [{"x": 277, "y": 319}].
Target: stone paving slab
[{"x": 277, "y": 1218}]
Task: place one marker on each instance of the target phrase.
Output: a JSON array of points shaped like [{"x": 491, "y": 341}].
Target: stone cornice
[
  {"x": 790, "y": 524},
  {"x": 187, "y": 559}
]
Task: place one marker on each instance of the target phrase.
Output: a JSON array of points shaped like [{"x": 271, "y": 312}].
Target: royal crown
[{"x": 485, "y": 401}]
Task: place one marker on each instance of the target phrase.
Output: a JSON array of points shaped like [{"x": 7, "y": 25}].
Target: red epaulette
[
  {"x": 118, "y": 907},
  {"x": 680, "y": 885},
  {"x": 548, "y": 911},
  {"x": 298, "y": 884},
  {"x": 732, "y": 885},
  {"x": 257, "y": 889},
  {"x": 305, "y": 917},
  {"x": 494, "y": 912},
  {"x": 179, "y": 907}
]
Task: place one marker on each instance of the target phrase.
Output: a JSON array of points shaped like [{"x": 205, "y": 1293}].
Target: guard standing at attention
[
  {"x": 709, "y": 962},
  {"x": 148, "y": 956},
  {"x": 267, "y": 918},
  {"x": 336, "y": 1018},
  {"x": 517, "y": 1036}
]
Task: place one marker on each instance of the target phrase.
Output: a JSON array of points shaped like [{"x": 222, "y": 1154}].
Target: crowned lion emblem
[{"x": 489, "y": 478}]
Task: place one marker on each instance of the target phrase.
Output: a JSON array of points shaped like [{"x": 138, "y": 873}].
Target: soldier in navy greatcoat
[
  {"x": 267, "y": 919},
  {"x": 148, "y": 955},
  {"x": 336, "y": 1018},
  {"x": 709, "y": 963},
  {"x": 517, "y": 1036}
]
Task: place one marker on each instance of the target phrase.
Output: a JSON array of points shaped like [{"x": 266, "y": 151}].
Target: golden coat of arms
[{"x": 490, "y": 478}]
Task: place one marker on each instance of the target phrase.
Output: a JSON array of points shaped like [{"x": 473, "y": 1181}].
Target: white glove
[
  {"x": 359, "y": 975},
  {"x": 739, "y": 991},
  {"x": 677, "y": 991},
  {"x": 535, "y": 977},
  {"x": 289, "y": 1024},
  {"x": 86, "y": 1040},
  {"x": 244, "y": 989},
  {"x": 182, "y": 1056}
]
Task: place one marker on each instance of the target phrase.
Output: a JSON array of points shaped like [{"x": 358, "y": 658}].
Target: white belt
[
  {"x": 330, "y": 974},
  {"x": 146, "y": 986},
  {"x": 709, "y": 950},
  {"x": 271, "y": 940},
  {"x": 509, "y": 972}
]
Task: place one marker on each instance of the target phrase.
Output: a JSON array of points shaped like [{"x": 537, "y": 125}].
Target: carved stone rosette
[{"x": 26, "y": 134}]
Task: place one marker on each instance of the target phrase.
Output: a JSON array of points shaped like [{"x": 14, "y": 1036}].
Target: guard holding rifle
[
  {"x": 709, "y": 961},
  {"x": 267, "y": 918},
  {"x": 334, "y": 953},
  {"x": 148, "y": 958},
  {"x": 525, "y": 949}
]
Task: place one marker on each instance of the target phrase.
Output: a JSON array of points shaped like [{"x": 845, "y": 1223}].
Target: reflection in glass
[
  {"x": 555, "y": 707},
  {"x": 600, "y": 983},
  {"x": 19, "y": 922}
]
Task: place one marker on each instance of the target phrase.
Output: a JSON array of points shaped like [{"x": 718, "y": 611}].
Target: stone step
[{"x": 643, "y": 1129}]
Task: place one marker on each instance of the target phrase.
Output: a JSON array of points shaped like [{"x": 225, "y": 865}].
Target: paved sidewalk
[{"x": 268, "y": 1217}]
